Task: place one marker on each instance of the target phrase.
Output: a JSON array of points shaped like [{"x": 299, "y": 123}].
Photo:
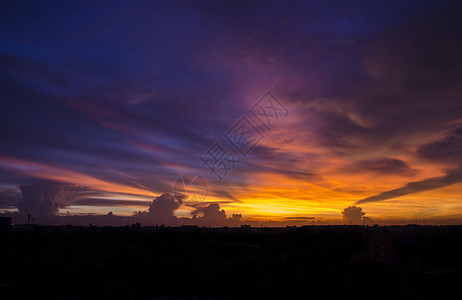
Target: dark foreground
[{"x": 405, "y": 262}]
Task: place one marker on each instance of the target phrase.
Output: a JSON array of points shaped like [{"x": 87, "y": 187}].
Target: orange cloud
[{"x": 36, "y": 170}]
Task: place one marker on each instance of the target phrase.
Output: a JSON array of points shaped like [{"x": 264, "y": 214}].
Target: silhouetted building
[
  {"x": 189, "y": 228},
  {"x": 380, "y": 245}
]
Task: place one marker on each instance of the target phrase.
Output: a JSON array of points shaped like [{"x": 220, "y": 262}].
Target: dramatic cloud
[
  {"x": 452, "y": 177},
  {"x": 447, "y": 150},
  {"x": 41, "y": 198},
  {"x": 162, "y": 208},
  {"x": 236, "y": 217},
  {"x": 211, "y": 214},
  {"x": 212, "y": 211},
  {"x": 387, "y": 166},
  {"x": 353, "y": 215},
  {"x": 117, "y": 108}
]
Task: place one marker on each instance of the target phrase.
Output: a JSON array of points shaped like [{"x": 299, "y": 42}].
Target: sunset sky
[{"x": 105, "y": 103}]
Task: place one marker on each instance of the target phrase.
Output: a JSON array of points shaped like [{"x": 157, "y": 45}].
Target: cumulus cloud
[
  {"x": 210, "y": 212},
  {"x": 163, "y": 207},
  {"x": 353, "y": 215},
  {"x": 41, "y": 198},
  {"x": 45, "y": 197},
  {"x": 213, "y": 212},
  {"x": 236, "y": 217},
  {"x": 212, "y": 215}
]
